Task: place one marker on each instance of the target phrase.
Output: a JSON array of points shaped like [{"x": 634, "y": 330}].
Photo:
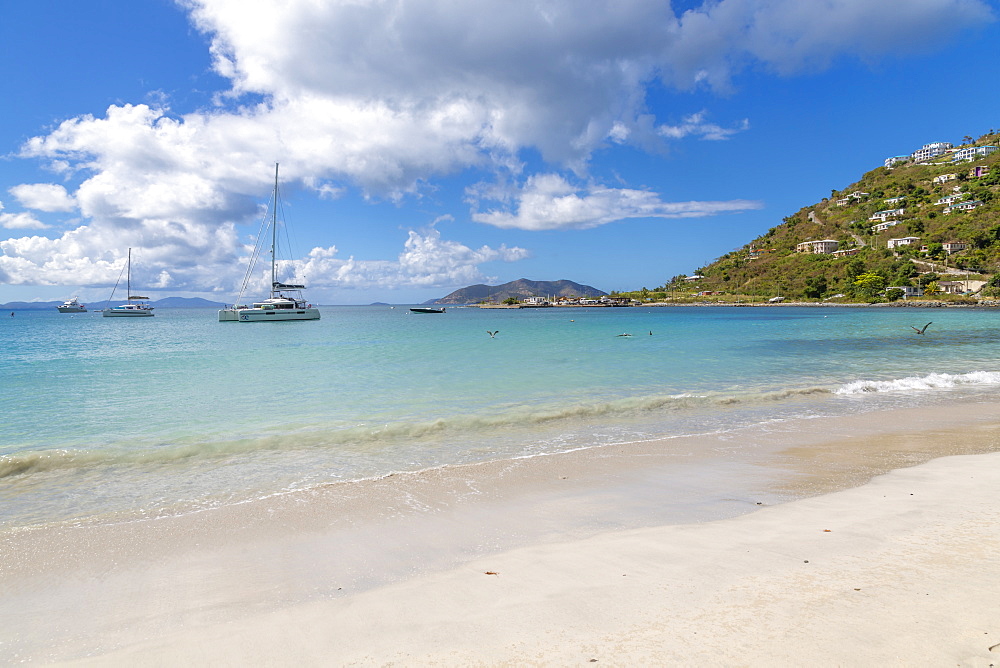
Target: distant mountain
[
  {"x": 186, "y": 302},
  {"x": 167, "y": 302},
  {"x": 519, "y": 289}
]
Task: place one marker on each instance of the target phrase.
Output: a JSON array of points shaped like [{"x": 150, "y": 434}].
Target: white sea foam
[{"x": 934, "y": 381}]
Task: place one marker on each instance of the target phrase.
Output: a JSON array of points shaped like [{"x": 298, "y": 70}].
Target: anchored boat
[
  {"x": 72, "y": 306},
  {"x": 286, "y": 301},
  {"x": 135, "y": 306}
]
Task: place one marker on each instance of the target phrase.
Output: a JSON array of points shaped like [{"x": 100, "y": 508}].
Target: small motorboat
[{"x": 427, "y": 309}]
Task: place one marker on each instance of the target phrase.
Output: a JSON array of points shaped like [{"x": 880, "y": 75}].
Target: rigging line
[
  {"x": 107, "y": 303},
  {"x": 284, "y": 231},
  {"x": 255, "y": 254}
]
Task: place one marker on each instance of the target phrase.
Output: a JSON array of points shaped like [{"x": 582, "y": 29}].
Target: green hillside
[{"x": 866, "y": 267}]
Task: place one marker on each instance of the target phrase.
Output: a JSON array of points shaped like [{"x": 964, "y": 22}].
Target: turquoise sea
[{"x": 110, "y": 419}]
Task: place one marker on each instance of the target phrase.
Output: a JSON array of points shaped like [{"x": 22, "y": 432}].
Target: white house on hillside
[
  {"x": 944, "y": 177},
  {"x": 928, "y": 151},
  {"x": 905, "y": 241},
  {"x": 882, "y": 227},
  {"x": 818, "y": 247},
  {"x": 856, "y": 195},
  {"x": 954, "y": 247},
  {"x": 949, "y": 199},
  {"x": 887, "y": 214},
  {"x": 973, "y": 152},
  {"x": 845, "y": 252},
  {"x": 963, "y": 206}
]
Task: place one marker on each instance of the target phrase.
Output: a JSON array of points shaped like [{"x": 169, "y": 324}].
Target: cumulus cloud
[
  {"x": 387, "y": 96},
  {"x": 43, "y": 197},
  {"x": 81, "y": 258},
  {"x": 426, "y": 261},
  {"x": 550, "y": 202},
  {"x": 20, "y": 221}
]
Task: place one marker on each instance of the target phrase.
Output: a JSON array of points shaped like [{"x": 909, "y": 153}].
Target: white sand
[{"x": 904, "y": 571}]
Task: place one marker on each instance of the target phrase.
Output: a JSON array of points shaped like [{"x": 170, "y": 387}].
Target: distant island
[
  {"x": 924, "y": 226},
  {"x": 519, "y": 290}
]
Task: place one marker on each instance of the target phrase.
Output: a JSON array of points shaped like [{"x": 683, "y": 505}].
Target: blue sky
[{"x": 429, "y": 145}]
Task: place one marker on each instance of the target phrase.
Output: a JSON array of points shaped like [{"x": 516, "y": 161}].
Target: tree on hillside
[
  {"x": 815, "y": 287},
  {"x": 869, "y": 285}
]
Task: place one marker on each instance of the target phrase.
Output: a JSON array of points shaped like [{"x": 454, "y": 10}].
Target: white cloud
[
  {"x": 550, "y": 202},
  {"x": 80, "y": 258},
  {"x": 20, "y": 221},
  {"x": 386, "y": 96},
  {"x": 718, "y": 39},
  {"x": 43, "y": 197},
  {"x": 426, "y": 261},
  {"x": 695, "y": 124}
]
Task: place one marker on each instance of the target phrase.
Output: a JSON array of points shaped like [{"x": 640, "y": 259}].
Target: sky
[{"x": 428, "y": 145}]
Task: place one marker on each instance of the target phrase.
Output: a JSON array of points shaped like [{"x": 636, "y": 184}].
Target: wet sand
[{"x": 733, "y": 549}]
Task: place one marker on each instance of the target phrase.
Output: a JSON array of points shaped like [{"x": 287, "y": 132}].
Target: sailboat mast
[
  {"x": 274, "y": 227},
  {"x": 128, "y": 277}
]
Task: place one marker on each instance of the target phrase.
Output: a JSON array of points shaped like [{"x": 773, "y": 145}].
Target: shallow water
[{"x": 108, "y": 418}]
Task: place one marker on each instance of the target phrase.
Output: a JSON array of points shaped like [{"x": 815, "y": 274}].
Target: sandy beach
[{"x": 874, "y": 540}]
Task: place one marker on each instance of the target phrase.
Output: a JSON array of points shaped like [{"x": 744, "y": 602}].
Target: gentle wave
[
  {"x": 934, "y": 381},
  {"x": 368, "y": 435}
]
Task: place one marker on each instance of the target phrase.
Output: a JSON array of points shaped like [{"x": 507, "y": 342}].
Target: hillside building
[
  {"x": 949, "y": 199},
  {"x": 846, "y": 252},
  {"x": 932, "y": 150},
  {"x": 908, "y": 290},
  {"x": 973, "y": 153},
  {"x": 963, "y": 206},
  {"x": 944, "y": 178},
  {"x": 856, "y": 195},
  {"x": 954, "y": 247},
  {"x": 882, "y": 227},
  {"x": 824, "y": 247},
  {"x": 896, "y": 160},
  {"x": 887, "y": 214},
  {"x": 952, "y": 287},
  {"x": 904, "y": 241}
]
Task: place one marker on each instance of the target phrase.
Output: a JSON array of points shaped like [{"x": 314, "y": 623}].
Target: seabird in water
[{"x": 921, "y": 330}]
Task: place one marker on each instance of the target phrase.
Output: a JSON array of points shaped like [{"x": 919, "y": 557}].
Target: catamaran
[
  {"x": 286, "y": 301},
  {"x": 135, "y": 306}
]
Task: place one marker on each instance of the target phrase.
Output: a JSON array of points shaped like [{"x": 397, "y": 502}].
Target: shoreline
[
  {"x": 315, "y": 556},
  {"x": 902, "y": 571}
]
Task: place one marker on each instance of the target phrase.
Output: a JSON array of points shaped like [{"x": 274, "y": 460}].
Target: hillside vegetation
[{"x": 769, "y": 265}]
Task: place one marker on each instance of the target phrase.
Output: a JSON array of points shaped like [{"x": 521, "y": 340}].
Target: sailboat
[
  {"x": 286, "y": 301},
  {"x": 136, "y": 306}
]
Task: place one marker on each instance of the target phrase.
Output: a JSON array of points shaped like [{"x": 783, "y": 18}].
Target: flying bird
[
  {"x": 921, "y": 330},
  {"x": 493, "y": 335}
]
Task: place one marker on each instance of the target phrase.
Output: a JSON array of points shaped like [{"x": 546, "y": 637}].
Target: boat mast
[
  {"x": 128, "y": 277},
  {"x": 274, "y": 228}
]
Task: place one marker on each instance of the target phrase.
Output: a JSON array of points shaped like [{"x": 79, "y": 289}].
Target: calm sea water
[{"x": 105, "y": 419}]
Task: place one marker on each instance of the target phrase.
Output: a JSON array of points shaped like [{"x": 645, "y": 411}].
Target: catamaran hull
[
  {"x": 111, "y": 313},
  {"x": 261, "y": 315}
]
